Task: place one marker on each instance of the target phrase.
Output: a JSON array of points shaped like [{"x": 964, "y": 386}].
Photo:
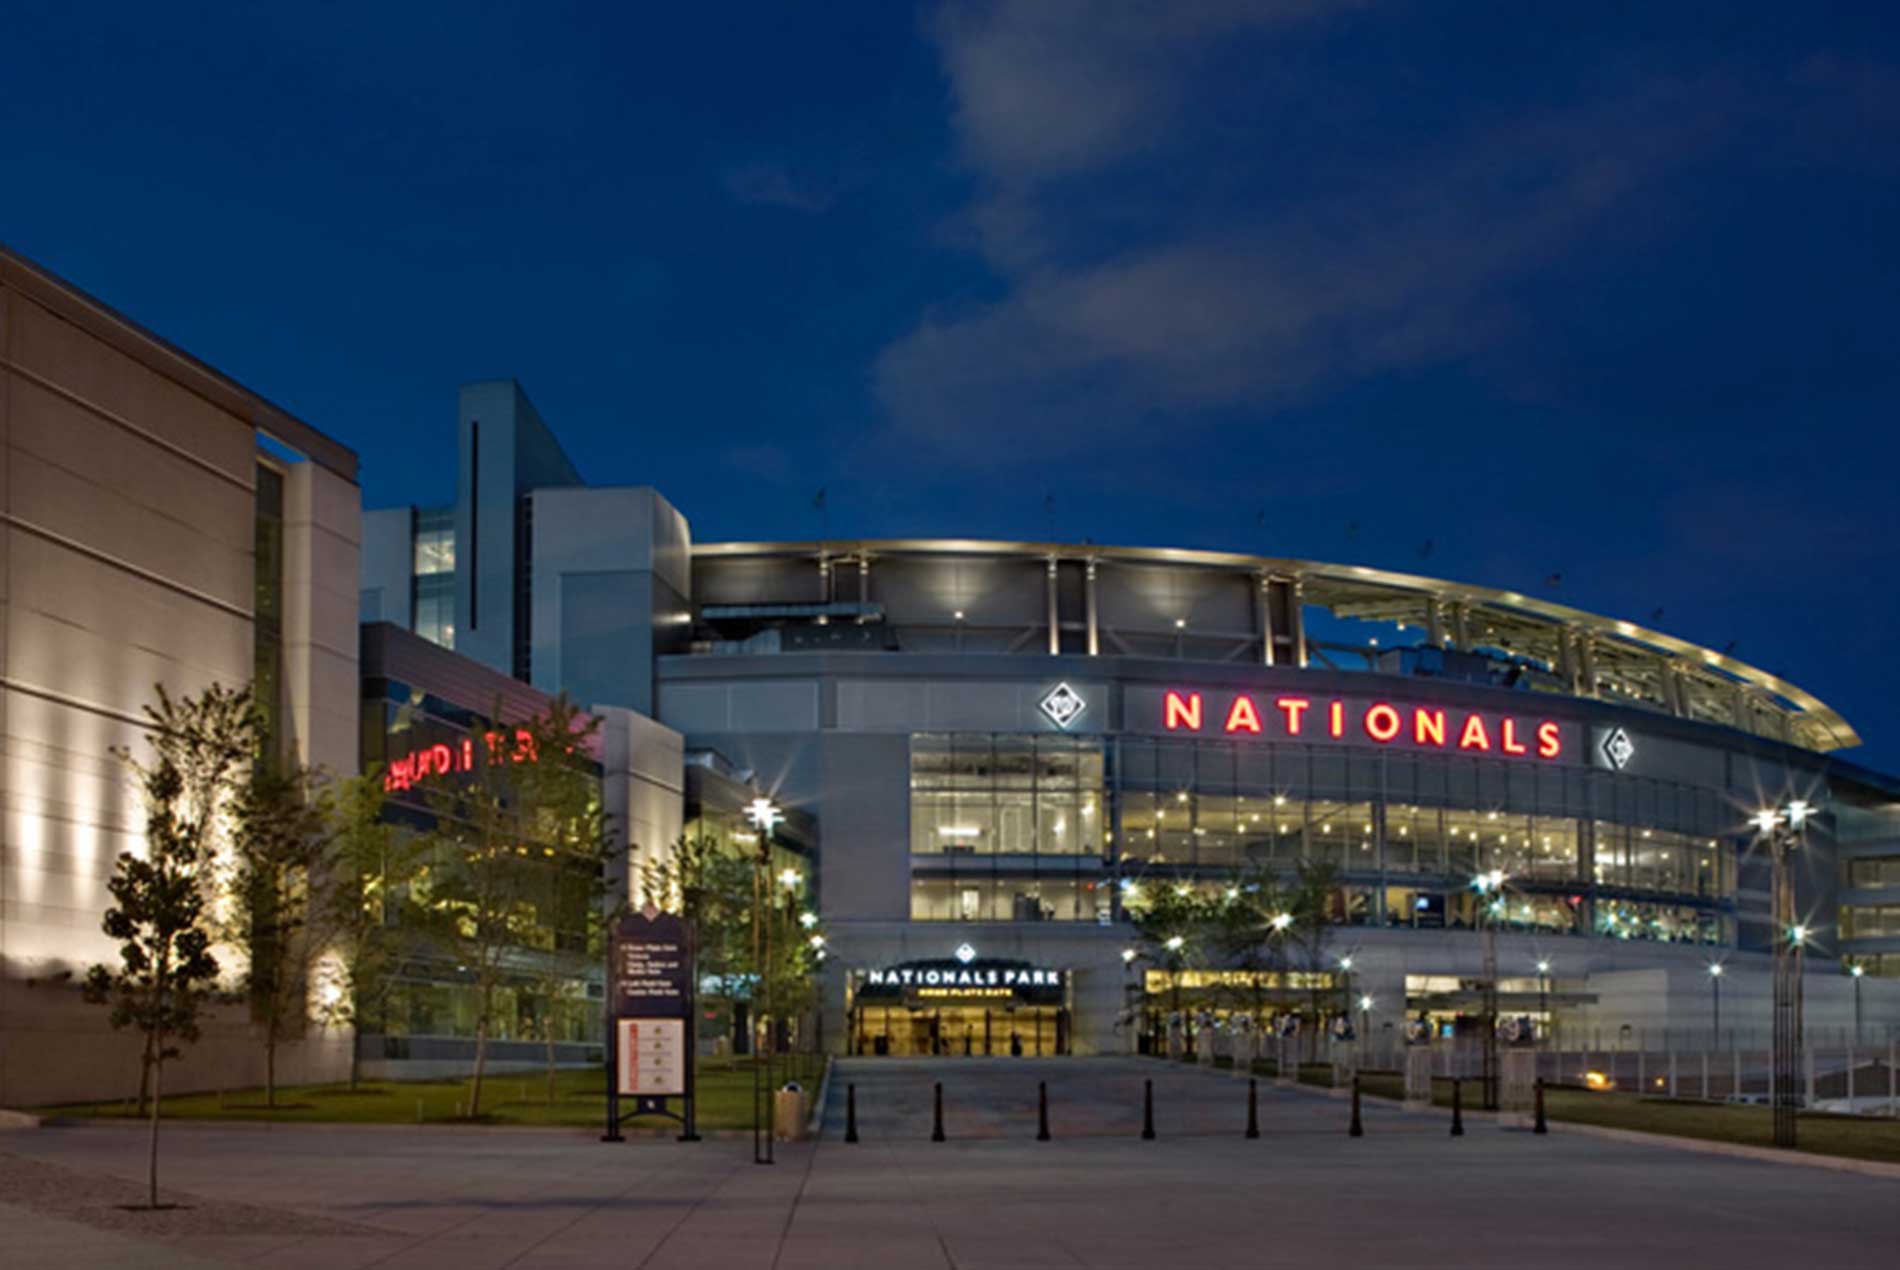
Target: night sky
[{"x": 1595, "y": 301}]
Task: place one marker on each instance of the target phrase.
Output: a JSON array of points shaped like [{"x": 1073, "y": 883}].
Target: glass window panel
[
  {"x": 1554, "y": 849},
  {"x": 1139, "y": 840},
  {"x": 1015, "y": 822},
  {"x": 1015, "y": 761},
  {"x": 1058, "y": 823}
]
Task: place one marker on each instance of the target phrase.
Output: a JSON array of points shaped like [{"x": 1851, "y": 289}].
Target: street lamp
[
  {"x": 1543, "y": 995},
  {"x": 1487, "y": 884},
  {"x": 1715, "y": 1001},
  {"x": 1856, "y": 971},
  {"x": 764, "y": 815},
  {"x": 1784, "y": 829}
]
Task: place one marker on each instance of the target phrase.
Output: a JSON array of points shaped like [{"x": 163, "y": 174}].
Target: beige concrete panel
[
  {"x": 87, "y": 630},
  {"x": 126, "y": 464},
  {"x": 67, "y": 505},
  {"x": 54, "y": 1047},
  {"x": 59, "y": 352}
]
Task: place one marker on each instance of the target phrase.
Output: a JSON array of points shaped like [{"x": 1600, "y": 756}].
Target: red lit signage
[
  {"x": 1295, "y": 717},
  {"x": 442, "y": 759}
]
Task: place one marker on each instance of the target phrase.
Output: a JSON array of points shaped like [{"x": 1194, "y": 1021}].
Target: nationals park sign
[{"x": 1347, "y": 720}]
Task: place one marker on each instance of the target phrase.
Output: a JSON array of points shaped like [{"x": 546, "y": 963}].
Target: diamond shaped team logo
[
  {"x": 1617, "y": 748},
  {"x": 966, "y": 954},
  {"x": 1063, "y": 705}
]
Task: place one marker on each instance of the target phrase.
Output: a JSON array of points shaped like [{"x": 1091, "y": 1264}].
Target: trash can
[{"x": 788, "y": 1113}]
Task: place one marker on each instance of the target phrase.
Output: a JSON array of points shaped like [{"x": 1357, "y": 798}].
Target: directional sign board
[
  {"x": 652, "y": 967},
  {"x": 652, "y": 1054},
  {"x": 650, "y": 999}
]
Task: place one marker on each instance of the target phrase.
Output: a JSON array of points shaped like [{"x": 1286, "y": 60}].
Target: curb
[
  {"x": 1521, "y": 1121},
  {"x": 817, "y": 1116},
  {"x": 1735, "y": 1150}
]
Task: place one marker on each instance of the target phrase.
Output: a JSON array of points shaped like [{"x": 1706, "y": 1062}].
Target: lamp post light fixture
[
  {"x": 1715, "y": 1003},
  {"x": 1784, "y": 830},
  {"x": 1856, "y": 972},
  {"x": 1543, "y": 997}
]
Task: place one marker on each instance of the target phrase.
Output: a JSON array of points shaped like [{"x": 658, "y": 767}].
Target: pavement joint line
[
  {"x": 732, "y": 1171},
  {"x": 798, "y": 1196}
]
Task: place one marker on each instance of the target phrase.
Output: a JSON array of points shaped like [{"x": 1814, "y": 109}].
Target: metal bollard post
[
  {"x": 1147, "y": 1111},
  {"x": 1042, "y": 1111},
  {"x": 1457, "y": 1108},
  {"x": 936, "y": 1130},
  {"x": 1540, "y": 1126},
  {"x": 1253, "y": 1107},
  {"x": 850, "y": 1113},
  {"x": 1357, "y": 1130}
]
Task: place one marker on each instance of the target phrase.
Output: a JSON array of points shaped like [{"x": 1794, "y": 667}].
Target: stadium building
[{"x": 998, "y": 745}]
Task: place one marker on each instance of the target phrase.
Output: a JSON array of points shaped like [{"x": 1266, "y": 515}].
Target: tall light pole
[
  {"x": 1785, "y": 830},
  {"x": 764, "y": 815},
  {"x": 1543, "y": 997},
  {"x": 1856, "y": 971},
  {"x": 1715, "y": 1003},
  {"x": 1487, "y": 885}
]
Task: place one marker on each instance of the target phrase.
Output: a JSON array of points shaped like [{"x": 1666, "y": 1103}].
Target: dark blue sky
[{"x": 1599, "y": 290}]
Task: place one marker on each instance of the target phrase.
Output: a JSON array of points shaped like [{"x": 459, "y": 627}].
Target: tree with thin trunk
[
  {"x": 369, "y": 905},
  {"x": 502, "y": 841},
  {"x": 162, "y": 897},
  {"x": 279, "y": 840},
  {"x": 1311, "y": 904}
]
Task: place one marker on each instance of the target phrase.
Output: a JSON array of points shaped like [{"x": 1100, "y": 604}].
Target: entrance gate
[{"x": 959, "y": 1008}]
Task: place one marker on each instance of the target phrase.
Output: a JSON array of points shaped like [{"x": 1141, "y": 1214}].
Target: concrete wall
[
  {"x": 612, "y": 570},
  {"x": 643, "y": 785},
  {"x": 505, "y": 450},
  {"x": 127, "y": 487},
  {"x": 388, "y": 569},
  {"x": 322, "y": 547}
]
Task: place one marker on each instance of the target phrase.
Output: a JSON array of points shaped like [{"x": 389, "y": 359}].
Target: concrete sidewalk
[{"x": 1201, "y": 1194}]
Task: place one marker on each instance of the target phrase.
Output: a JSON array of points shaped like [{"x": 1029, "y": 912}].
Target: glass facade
[
  {"x": 434, "y": 599},
  {"x": 1023, "y": 828},
  {"x": 430, "y": 992},
  {"x": 1007, "y": 828}
]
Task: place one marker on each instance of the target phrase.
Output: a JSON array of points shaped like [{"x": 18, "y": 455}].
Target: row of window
[
  {"x": 1877, "y": 871},
  {"x": 1870, "y": 922},
  {"x": 988, "y": 899},
  {"x": 1228, "y": 832}
]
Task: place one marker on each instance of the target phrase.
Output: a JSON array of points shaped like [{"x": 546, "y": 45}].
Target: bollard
[
  {"x": 1540, "y": 1126},
  {"x": 1457, "y": 1108},
  {"x": 1042, "y": 1111},
  {"x": 850, "y": 1113},
  {"x": 936, "y": 1130},
  {"x": 1357, "y": 1130},
  {"x": 1147, "y": 1111},
  {"x": 1253, "y": 1107}
]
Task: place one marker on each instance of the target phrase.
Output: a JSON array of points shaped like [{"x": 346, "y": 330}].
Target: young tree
[
  {"x": 1250, "y": 931},
  {"x": 1173, "y": 920},
  {"x": 1313, "y": 921},
  {"x": 502, "y": 840},
  {"x": 161, "y": 899},
  {"x": 279, "y": 841},
  {"x": 368, "y": 905}
]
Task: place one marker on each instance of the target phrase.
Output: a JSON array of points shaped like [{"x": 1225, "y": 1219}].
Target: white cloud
[{"x": 1205, "y": 312}]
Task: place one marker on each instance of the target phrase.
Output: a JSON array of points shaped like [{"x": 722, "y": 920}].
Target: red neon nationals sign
[
  {"x": 1298, "y": 717},
  {"x": 442, "y": 760}
]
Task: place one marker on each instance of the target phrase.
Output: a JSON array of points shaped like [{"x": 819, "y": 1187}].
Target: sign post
[{"x": 650, "y": 1027}]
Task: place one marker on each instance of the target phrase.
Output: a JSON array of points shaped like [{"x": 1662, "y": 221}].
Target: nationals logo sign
[{"x": 1299, "y": 717}]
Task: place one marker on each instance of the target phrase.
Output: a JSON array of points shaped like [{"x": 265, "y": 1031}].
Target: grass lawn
[
  {"x": 725, "y": 1100},
  {"x": 1856, "y": 1137}
]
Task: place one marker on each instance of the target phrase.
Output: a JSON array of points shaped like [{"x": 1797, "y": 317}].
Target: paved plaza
[{"x": 1200, "y": 1195}]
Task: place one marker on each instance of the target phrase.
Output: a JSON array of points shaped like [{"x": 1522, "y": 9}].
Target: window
[
  {"x": 435, "y": 543},
  {"x": 1878, "y": 871}
]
